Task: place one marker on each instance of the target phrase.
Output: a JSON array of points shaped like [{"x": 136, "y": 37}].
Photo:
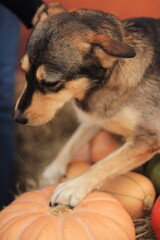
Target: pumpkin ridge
[
  {"x": 107, "y": 216},
  {"x": 41, "y": 230},
  {"x": 26, "y": 227},
  {"x": 10, "y": 220},
  {"x": 85, "y": 227},
  {"x": 60, "y": 229},
  {"x": 27, "y": 201},
  {"x": 26, "y": 205},
  {"x": 124, "y": 195},
  {"x": 10, "y": 212},
  {"x": 13, "y": 221},
  {"x": 133, "y": 180},
  {"x": 101, "y": 199},
  {"x": 19, "y": 215}
]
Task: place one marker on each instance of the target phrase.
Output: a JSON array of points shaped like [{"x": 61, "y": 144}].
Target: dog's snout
[{"x": 20, "y": 118}]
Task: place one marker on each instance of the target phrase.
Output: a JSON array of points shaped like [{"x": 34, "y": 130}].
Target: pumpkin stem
[
  {"x": 60, "y": 210},
  {"x": 148, "y": 203}
]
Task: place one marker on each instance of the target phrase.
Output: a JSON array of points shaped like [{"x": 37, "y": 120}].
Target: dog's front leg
[
  {"x": 57, "y": 168},
  {"x": 129, "y": 156}
]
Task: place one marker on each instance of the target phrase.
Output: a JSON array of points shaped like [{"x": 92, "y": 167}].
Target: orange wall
[{"x": 122, "y": 8}]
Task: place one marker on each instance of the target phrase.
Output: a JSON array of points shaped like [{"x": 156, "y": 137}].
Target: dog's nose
[{"x": 18, "y": 117}]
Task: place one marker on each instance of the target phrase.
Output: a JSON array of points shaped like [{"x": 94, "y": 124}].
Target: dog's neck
[{"x": 124, "y": 79}]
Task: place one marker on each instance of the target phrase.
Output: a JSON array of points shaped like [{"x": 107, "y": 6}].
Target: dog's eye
[{"x": 49, "y": 84}]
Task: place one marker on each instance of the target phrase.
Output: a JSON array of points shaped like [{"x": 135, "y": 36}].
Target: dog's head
[{"x": 66, "y": 55}]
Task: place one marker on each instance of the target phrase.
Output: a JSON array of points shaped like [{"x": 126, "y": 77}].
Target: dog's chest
[{"x": 122, "y": 123}]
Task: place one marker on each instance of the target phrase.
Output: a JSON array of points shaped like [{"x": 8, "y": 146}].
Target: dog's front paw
[
  {"x": 52, "y": 174},
  {"x": 70, "y": 193}
]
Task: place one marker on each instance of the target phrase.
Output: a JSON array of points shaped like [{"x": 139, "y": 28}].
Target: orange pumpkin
[
  {"x": 83, "y": 154},
  {"x": 102, "y": 145},
  {"x": 99, "y": 216},
  {"x": 135, "y": 192},
  {"x": 75, "y": 169}
]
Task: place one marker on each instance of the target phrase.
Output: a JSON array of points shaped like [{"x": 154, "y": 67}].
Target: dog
[{"x": 110, "y": 70}]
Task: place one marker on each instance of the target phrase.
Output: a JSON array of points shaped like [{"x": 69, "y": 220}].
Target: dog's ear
[
  {"x": 111, "y": 46},
  {"x": 104, "y": 49},
  {"x": 55, "y": 7},
  {"x": 46, "y": 10},
  {"x": 101, "y": 44}
]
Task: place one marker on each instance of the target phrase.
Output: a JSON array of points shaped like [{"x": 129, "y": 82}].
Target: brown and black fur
[{"x": 110, "y": 69}]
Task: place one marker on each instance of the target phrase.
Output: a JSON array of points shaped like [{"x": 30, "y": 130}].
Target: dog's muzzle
[{"x": 18, "y": 117}]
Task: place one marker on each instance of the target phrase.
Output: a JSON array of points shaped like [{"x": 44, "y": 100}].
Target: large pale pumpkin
[
  {"x": 98, "y": 217},
  {"x": 135, "y": 192}
]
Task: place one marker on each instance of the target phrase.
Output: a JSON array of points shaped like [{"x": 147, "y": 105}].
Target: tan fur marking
[
  {"x": 44, "y": 107},
  {"x": 123, "y": 123},
  {"x": 78, "y": 87},
  {"x": 105, "y": 59},
  {"x": 55, "y": 7},
  {"x": 41, "y": 73},
  {"x": 83, "y": 46},
  {"x": 43, "y": 16},
  {"x": 25, "y": 65},
  {"x": 40, "y": 111}
]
